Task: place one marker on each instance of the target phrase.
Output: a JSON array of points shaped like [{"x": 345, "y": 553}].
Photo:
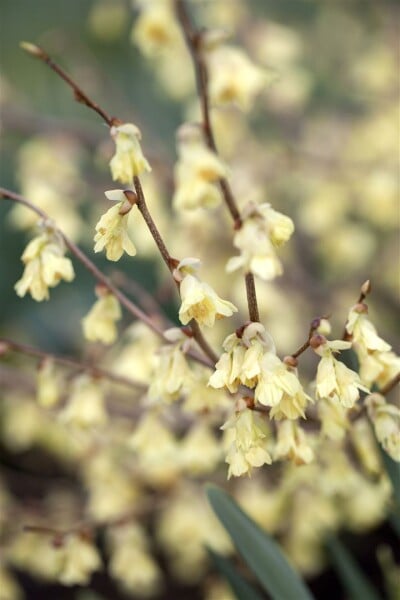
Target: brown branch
[
  {"x": 193, "y": 41},
  {"x": 251, "y": 297},
  {"x": 79, "y": 94},
  {"x": 72, "y": 364},
  {"x": 313, "y": 327},
  {"x": 390, "y": 385}
]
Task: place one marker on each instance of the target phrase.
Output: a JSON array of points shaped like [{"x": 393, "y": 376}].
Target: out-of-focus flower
[
  {"x": 199, "y": 300},
  {"x": 48, "y": 384},
  {"x": 292, "y": 443},
  {"x": 131, "y": 562},
  {"x": 247, "y": 438},
  {"x": 172, "y": 370},
  {"x": 111, "y": 230},
  {"x": 263, "y": 230},
  {"x": 79, "y": 559},
  {"x": 234, "y": 79},
  {"x": 385, "y": 418},
  {"x": 100, "y": 322},
  {"x": 197, "y": 171},
  {"x": 45, "y": 265},
  {"x": 334, "y": 379},
  {"x": 333, "y": 418},
  {"x": 156, "y": 30},
  {"x": 128, "y": 160},
  {"x": 85, "y": 405},
  {"x": 200, "y": 451}
]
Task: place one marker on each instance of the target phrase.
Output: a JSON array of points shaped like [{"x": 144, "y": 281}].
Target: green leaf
[
  {"x": 240, "y": 587},
  {"x": 393, "y": 471},
  {"x": 261, "y": 553},
  {"x": 351, "y": 576}
]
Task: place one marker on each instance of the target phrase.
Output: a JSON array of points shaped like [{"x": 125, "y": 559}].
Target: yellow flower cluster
[
  {"x": 112, "y": 228},
  {"x": 45, "y": 265}
]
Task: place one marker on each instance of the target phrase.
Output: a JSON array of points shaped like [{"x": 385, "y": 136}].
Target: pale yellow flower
[
  {"x": 333, "y": 418},
  {"x": 128, "y": 160},
  {"x": 202, "y": 303},
  {"x": 279, "y": 387},
  {"x": 112, "y": 233},
  {"x": 80, "y": 558},
  {"x": 171, "y": 370},
  {"x": 263, "y": 230},
  {"x": 131, "y": 562},
  {"x": 385, "y": 418},
  {"x": 378, "y": 367},
  {"x": 241, "y": 363},
  {"x": 197, "y": 171},
  {"x": 48, "y": 384},
  {"x": 334, "y": 379},
  {"x": 85, "y": 405},
  {"x": 45, "y": 266},
  {"x": 200, "y": 451},
  {"x": 100, "y": 322},
  {"x": 156, "y": 30},
  {"x": 292, "y": 443},
  {"x": 247, "y": 437},
  {"x": 233, "y": 78},
  {"x": 363, "y": 332}
]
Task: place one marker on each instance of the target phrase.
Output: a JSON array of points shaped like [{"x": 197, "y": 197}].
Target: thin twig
[
  {"x": 251, "y": 297},
  {"x": 390, "y": 385},
  {"x": 72, "y": 363},
  {"x": 79, "y": 94}
]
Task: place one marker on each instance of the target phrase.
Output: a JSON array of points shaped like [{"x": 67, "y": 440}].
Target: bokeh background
[{"x": 323, "y": 148}]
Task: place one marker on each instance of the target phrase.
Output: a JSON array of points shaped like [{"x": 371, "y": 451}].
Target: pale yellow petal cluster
[
  {"x": 241, "y": 363},
  {"x": 128, "y": 160},
  {"x": 45, "y": 266},
  {"x": 100, "y": 322},
  {"x": 292, "y": 443},
  {"x": 233, "y": 78},
  {"x": 363, "y": 332},
  {"x": 263, "y": 230},
  {"x": 112, "y": 229},
  {"x": 279, "y": 387},
  {"x": 335, "y": 380},
  {"x": 385, "y": 418},
  {"x": 199, "y": 300},
  {"x": 200, "y": 451},
  {"x": 247, "y": 440},
  {"x": 333, "y": 417},
  {"x": 197, "y": 171}
]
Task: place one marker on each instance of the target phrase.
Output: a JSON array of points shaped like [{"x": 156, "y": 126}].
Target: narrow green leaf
[
  {"x": 261, "y": 553},
  {"x": 240, "y": 587},
  {"x": 393, "y": 471},
  {"x": 350, "y": 574}
]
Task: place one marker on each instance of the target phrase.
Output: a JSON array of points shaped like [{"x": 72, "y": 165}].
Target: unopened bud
[
  {"x": 33, "y": 49},
  {"x": 317, "y": 340},
  {"x": 290, "y": 361},
  {"x": 131, "y": 196},
  {"x": 125, "y": 208},
  {"x": 366, "y": 288}
]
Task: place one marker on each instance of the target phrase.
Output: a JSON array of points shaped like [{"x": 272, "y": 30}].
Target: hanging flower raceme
[
  {"x": 45, "y": 264},
  {"x": 247, "y": 440},
  {"x": 128, "y": 160},
  {"x": 112, "y": 229},
  {"x": 385, "y": 418},
  {"x": 199, "y": 300},
  {"x": 378, "y": 364},
  {"x": 172, "y": 370},
  {"x": 292, "y": 443},
  {"x": 100, "y": 322},
  {"x": 197, "y": 171},
  {"x": 263, "y": 230},
  {"x": 334, "y": 379}
]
